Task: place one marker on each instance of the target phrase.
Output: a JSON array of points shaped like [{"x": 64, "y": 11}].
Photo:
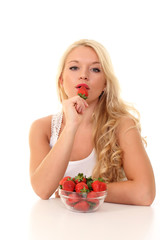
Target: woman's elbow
[
  {"x": 40, "y": 192},
  {"x": 147, "y": 196},
  {"x": 44, "y": 196},
  {"x": 149, "y": 199}
]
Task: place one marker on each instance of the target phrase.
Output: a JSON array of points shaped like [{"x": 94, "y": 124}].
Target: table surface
[{"x": 49, "y": 219}]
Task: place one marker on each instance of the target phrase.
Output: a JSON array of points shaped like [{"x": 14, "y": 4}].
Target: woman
[{"x": 98, "y": 136}]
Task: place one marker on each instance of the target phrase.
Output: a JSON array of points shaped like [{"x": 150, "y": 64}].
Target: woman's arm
[
  {"x": 47, "y": 166},
  {"x": 139, "y": 189}
]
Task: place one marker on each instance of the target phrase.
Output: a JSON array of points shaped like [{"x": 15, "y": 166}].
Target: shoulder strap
[{"x": 55, "y": 127}]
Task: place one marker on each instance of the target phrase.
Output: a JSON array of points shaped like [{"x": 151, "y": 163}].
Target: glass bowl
[{"x": 82, "y": 202}]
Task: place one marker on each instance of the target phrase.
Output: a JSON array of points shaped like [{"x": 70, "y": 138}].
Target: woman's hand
[
  {"x": 74, "y": 109},
  {"x": 57, "y": 194}
]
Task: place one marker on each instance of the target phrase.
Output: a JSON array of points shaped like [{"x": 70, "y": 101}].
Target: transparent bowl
[{"x": 82, "y": 202}]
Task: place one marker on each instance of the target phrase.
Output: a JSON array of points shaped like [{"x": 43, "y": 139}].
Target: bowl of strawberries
[{"x": 82, "y": 194}]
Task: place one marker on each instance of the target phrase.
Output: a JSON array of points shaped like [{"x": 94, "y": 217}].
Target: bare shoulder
[
  {"x": 125, "y": 124},
  {"x": 41, "y": 128},
  {"x": 127, "y": 131}
]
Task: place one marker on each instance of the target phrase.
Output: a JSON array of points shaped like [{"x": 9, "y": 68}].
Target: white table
[{"x": 49, "y": 219}]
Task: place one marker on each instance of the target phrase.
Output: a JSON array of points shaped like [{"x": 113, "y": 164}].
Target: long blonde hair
[{"x": 111, "y": 108}]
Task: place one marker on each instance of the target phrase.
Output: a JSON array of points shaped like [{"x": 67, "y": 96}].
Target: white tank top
[{"x": 85, "y": 165}]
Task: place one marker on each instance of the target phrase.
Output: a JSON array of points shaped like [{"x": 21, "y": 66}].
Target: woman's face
[{"x": 82, "y": 66}]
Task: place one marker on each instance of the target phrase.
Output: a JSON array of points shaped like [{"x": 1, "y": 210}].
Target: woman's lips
[{"x": 83, "y": 85}]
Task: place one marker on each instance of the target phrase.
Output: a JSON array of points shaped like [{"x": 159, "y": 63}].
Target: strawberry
[
  {"x": 82, "y": 206},
  {"x": 91, "y": 197},
  {"x": 80, "y": 178},
  {"x": 68, "y": 185},
  {"x": 92, "y": 194},
  {"x": 99, "y": 186},
  {"x": 63, "y": 180},
  {"x": 81, "y": 187},
  {"x": 82, "y": 92},
  {"x": 73, "y": 198}
]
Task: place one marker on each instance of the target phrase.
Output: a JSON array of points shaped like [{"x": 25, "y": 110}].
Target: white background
[{"x": 34, "y": 35}]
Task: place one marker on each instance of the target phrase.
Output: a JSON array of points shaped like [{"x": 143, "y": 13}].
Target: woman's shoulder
[
  {"x": 41, "y": 127},
  {"x": 42, "y": 122},
  {"x": 128, "y": 130},
  {"x": 126, "y": 123}
]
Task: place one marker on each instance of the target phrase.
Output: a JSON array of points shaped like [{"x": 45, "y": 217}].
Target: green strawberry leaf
[
  {"x": 89, "y": 183},
  {"x": 80, "y": 177},
  {"x": 92, "y": 204},
  {"x": 82, "y": 96},
  {"x": 70, "y": 179},
  {"x": 100, "y": 179},
  {"x": 84, "y": 190}
]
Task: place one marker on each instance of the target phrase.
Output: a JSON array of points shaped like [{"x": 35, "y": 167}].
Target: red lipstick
[{"x": 82, "y": 85}]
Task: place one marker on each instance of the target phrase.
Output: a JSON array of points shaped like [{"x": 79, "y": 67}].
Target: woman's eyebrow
[
  {"x": 73, "y": 61},
  {"x": 76, "y": 61},
  {"x": 96, "y": 63}
]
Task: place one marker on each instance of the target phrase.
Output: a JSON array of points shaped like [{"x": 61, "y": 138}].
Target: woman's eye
[
  {"x": 95, "y": 69},
  {"x": 73, "y": 68}
]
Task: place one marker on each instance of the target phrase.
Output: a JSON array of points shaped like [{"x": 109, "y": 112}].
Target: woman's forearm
[
  {"x": 130, "y": 192},
  {"x": 46, "y": 177}
]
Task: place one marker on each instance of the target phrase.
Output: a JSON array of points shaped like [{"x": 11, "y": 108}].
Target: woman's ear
[
  {"x": 61, "y": 80},
  {"x": 104, "y": 89}
]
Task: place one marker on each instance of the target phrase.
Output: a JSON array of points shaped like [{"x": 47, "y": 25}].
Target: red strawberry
[
  {"x": 91, "y": 197},
  {"x": 64, "y": 179},
  {"x": 82, "y": 92},
  {"x": 81, "y": 187},
  {"x": 73, "y": 198},
  {"x": 99, "y": 186},
  {"x": 80, "y": 178},
  {"x": 82, "y": 206},
  {"x": 92, "y": 194},
  {"x": 68, "y": 185}
]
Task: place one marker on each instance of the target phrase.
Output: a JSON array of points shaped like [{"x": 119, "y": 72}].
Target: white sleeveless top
[{"x": 85, "y": 165}]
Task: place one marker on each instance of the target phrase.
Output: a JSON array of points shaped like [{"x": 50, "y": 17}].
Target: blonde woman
[{"x": 98, "y": 136}]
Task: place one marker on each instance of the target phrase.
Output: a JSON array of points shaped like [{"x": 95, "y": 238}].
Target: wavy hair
[{"x": 106, "y": 117}]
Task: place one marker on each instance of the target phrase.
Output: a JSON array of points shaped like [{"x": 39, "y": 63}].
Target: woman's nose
[
  {"x": 83, "y": 77},
  {"x": 84, "y": 73}
]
